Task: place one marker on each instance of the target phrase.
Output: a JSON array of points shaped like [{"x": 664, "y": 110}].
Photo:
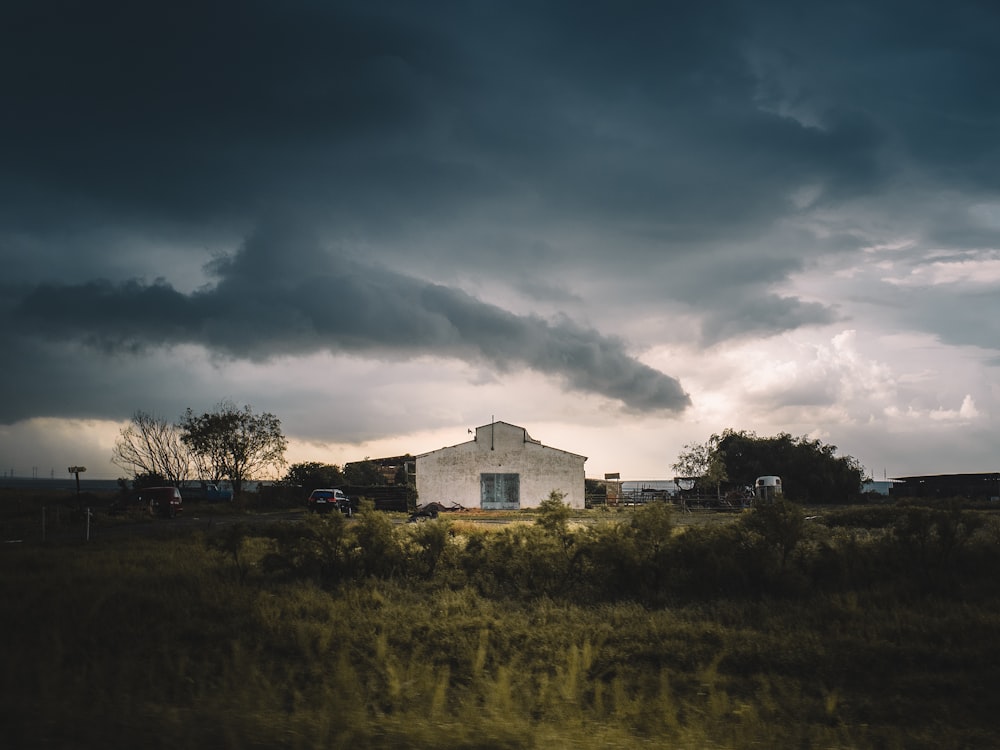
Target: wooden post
[{"x": 77, "y": 470}]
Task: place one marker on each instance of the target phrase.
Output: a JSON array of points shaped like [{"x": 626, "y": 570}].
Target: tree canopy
[
  {"x": 704, "y": 462},
  {"x": 363, "y": 473},
  {"x": 313, "y": 474},
  {"x": 810, "y": 471},
  {"x": 234, "y": 443}
]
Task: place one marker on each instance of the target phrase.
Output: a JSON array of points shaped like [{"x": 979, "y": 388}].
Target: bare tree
[{"x": 151, "y": 445}]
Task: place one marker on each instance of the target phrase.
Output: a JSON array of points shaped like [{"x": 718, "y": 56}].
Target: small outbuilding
[{"x": 501, "y": 468}]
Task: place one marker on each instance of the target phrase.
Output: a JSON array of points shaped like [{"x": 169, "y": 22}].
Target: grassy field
[{"x": 860, "y": 628}]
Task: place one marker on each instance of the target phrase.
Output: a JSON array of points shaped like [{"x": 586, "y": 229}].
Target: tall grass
[{"x": 364, "y": 634}]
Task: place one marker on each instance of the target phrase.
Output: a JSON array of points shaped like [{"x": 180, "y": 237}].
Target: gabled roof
[{"x": 527, "y": 439}]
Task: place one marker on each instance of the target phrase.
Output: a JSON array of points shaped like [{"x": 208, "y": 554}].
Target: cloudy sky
[{"x": 623, "y": 226}]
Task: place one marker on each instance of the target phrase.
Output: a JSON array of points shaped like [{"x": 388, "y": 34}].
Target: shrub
[
  {"x": 861, "y": 517},
  {"x": 553, "y": 514},
  {"x": 318, "y": 549},
  {"x": 379, "y": 552},
  {"x": 780, "y": 524},
  {"x": 431, "y": 540}
]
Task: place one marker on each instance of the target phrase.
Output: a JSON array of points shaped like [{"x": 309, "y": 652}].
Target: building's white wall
[{"x": 451, "y": 475}]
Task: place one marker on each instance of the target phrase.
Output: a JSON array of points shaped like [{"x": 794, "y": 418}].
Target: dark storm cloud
[
  {"x": 764, "y": 316},
  {"x": 922, "y": 71},
  {"x": 54, "y": 375},
  {"x": 43, "y": 378},
  {"x": 280, "y": 294},
  {"x": 196, "y": 111},
  {"x": 654, "y": 145},
  {"x": 205, "y": 111}
]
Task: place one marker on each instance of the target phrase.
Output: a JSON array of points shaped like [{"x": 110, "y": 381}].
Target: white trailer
[{"x": 767, "y": 489}]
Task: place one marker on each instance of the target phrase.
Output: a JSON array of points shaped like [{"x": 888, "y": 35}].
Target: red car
[{"x": 162, "y": 501}]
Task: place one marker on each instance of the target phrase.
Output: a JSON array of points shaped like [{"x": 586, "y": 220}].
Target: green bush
[
  {"x": 860, "y": 517},
  {"x": 634, "y": 632},
  {"x": 431, "y": 541},
  {"x": 780, "y": 525},
  {"x": 319, "y": 549},
  {"x": 379, "y": 552}
]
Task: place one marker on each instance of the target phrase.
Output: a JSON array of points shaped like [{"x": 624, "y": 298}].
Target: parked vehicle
[
  {"x": 157, "y": 501},
  {"x": 321, "y": 501},
  {"x": 207, "y": 491},
  {"x": 162, "y": 501}
]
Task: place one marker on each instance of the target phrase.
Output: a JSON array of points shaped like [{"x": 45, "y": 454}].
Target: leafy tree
[
  {"x": 233, "y": 443},
  {"x": 363, "y": 474},
  {"x": 313, "y": 474},
  {"x": 150, "y": 446},
  {"x": 704, "y": 462},
  {"x": 402, "y": 476},
  {"x": 596, "y": 490},
  {"x": 811, "y": 471},
  {"x": 692, "y": 462}
]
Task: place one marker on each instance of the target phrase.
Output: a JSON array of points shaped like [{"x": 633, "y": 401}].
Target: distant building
[
  {"x": 944, "y": 486},
  {"x": 501, "y": 468},
  {"x": 392, "y": 469},
  {"x": 881, "y": 487}
]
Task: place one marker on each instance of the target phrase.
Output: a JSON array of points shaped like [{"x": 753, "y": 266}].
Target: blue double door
[{"x": 500, "y": 491}]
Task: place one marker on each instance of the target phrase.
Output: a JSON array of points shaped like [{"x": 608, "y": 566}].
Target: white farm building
[{"x": 501, "y": 468}]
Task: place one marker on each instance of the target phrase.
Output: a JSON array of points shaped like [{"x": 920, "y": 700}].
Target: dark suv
[{"x": 323, "y": 500}]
